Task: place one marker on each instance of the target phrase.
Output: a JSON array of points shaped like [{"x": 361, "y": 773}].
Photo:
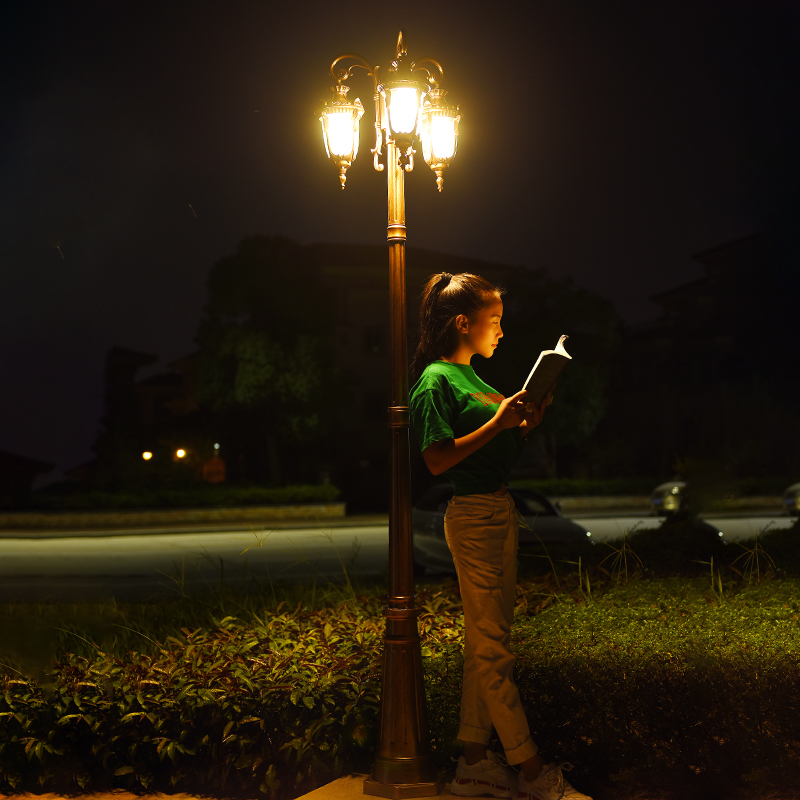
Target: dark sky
[{"x": 140, "y": 142}]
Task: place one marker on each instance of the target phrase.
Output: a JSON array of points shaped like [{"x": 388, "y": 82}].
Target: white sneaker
[
  {"x": 550, "y": 784},
  {"x": 489, "y": 776}
]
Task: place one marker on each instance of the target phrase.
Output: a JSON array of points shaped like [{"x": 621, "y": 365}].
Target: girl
[{"x": 472, "y": 434}]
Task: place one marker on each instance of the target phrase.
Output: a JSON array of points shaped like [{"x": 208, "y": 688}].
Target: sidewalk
[{"x": 350, "y": 787}]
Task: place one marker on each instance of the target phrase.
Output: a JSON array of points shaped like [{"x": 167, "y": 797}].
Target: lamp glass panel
[
  {"x": 443, "y": 137},
  {"x": 342, "y": 134},
  {"x": 403, "y": 109},
  {"x": 425, "y": 138}
]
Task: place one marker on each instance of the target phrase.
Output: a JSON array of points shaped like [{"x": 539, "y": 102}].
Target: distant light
[
  {"x": 720, "y": 533},
  {"x": 180, "y": 453},
  {"x": 588, "y": 533},
  {"x": 147, "y": 455},
  {"x": 216, "y": 446}
]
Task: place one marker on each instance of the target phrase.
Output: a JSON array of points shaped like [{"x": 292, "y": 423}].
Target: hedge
[{"x": 201, "y": 496}]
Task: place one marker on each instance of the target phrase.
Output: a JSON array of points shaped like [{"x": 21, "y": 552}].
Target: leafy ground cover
[{"x": 668, "y": 686}]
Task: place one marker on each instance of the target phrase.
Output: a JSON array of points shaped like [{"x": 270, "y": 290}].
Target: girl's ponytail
[{"x": 445, "y": 297}]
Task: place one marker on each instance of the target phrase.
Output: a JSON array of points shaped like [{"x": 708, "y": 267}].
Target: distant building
[
  {"x": 682, "y": 383},
  {"x": 169, "y": 394},
  {"x": 691, "y": 340}
]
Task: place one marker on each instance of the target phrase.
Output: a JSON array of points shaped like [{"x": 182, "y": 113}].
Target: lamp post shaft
[{"x": 403, "y": 763}]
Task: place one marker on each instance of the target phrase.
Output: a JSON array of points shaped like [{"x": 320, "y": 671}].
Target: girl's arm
[{"x": 441, "y": 456}]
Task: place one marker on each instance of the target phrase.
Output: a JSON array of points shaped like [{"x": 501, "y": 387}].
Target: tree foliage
[
  {"x": 264, "y": 367},
  {"x": 539, "y": 308}
]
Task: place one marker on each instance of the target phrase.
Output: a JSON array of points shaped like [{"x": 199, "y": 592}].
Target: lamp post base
[{"x": 398, "y": 791}]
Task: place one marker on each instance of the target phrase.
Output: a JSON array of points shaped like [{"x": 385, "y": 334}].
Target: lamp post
[{"x": 409, "y": 103}]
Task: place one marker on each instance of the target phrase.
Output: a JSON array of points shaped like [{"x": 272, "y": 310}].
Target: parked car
[
  {"x": 670, "y": 498},
  {"x": 542, "y": 522},
  {"x": 791, "y": 500}
]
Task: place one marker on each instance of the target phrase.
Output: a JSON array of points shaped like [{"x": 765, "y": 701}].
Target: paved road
[{"x": 162, "y": 563}]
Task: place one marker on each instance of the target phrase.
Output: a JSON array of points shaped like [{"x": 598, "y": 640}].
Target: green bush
[
  {"x": 201, "y": 496},
  {"x": 270, "y": 707},
  {"x": 663, "y": 683}
]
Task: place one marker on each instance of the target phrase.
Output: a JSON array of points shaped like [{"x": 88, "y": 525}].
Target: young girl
[{"x": 472, "y": 434}]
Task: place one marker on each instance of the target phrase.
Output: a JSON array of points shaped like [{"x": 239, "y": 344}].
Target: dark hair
[{"x": 445, "y": 297}]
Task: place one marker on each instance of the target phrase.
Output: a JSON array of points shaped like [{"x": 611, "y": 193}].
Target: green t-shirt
[{"x": 448, "y": 402}]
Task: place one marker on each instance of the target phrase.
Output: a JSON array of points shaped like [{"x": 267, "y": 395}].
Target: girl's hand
[
  {"x": 511, "y": 412},
  {"x": 549, "y": 398},
  {"x": 533, "y": 416}
]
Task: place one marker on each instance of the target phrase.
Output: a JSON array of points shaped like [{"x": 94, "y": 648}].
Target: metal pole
[{"x": 403, "y": 763}]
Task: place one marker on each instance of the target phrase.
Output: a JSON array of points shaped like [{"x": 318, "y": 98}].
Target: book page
[
  {"x": 560, "y": 349},
  {"x": 545, "y": 372}
]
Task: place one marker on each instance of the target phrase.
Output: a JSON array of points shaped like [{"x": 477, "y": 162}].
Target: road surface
[
  {"x": 733, "y": 527},
  {"x": 137, "y": 564}
]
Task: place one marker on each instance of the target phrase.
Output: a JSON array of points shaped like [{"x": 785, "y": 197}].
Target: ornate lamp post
[{"x": 409, "y": 103}]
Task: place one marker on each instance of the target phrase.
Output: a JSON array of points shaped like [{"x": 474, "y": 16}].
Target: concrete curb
[{"x": 133, "y": 518}]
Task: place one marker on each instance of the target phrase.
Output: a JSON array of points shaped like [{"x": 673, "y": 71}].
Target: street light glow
[
  {"x": 402, "y": 103},
  {"x": 342, "y": 133},
  {"x": 147, "y": 455},
  {"x": 438, "y": 132},
  {"x": 339, "y": 119},
  {"x": 443, "y": 137},
  {"x": 180, "y": 453},
  {"x": 409, "y": 102}
]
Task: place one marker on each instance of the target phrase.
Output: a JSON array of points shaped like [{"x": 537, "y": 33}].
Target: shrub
[{"x": 201, "y": 496}]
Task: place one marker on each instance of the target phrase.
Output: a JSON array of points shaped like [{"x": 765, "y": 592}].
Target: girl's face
[{"x": 484, "y": 332}]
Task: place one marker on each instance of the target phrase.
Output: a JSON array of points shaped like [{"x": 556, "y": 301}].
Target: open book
[{"x": 545, "y": 372}]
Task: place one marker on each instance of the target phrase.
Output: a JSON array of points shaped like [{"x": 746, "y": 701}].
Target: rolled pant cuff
[
  {"x": 526, "y": 750},
  {"x": 466, "y": 733}
]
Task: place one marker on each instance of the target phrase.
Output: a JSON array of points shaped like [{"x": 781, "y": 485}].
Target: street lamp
[
  {"x": 406, "y": 107},
  {"x": 409, "y": 104}
]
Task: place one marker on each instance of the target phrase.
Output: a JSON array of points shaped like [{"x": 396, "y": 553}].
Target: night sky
[{"x": 140, "y": 142}]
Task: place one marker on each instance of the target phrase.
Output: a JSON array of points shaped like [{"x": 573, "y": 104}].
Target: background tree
[
  {"x": 537, "y": 310},
  {"x": 265, "y": 371}
]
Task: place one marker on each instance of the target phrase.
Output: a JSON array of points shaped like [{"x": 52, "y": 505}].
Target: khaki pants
[{"x": 482, "y": 533}]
